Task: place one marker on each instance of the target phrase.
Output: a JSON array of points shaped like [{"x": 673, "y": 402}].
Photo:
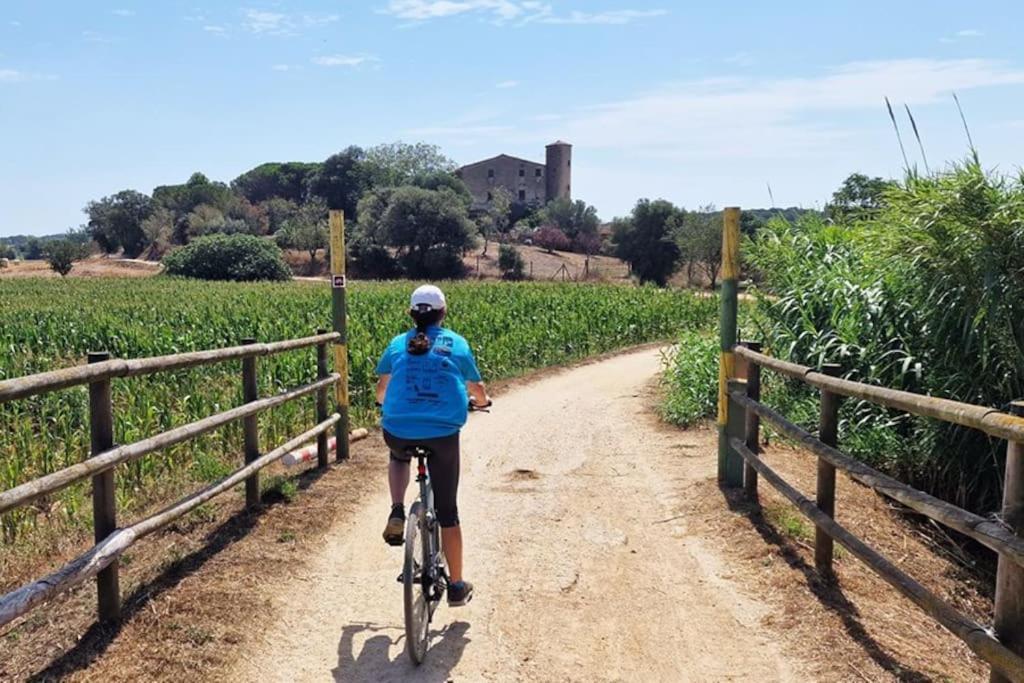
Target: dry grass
[
  {"x": 94, "y": 266},
  {"x": 856, "y": 627},
  {"x": 190, "y": 591}
]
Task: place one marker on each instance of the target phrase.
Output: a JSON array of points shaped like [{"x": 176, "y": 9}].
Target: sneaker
[
  {"x": 394, "y": 532},
  {"x": 460, "y": 593}
]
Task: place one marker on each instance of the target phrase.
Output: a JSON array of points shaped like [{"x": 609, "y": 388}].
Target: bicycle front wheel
[{"x": 417, "y": 602}]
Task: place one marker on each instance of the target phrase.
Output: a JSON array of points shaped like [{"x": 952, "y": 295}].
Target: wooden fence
[
  {"x": 101, "y": 560},
  {"x": 739, "y": 464}
]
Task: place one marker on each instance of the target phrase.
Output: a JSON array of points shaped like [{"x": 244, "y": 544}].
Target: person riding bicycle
[{"x": 427, "y": 380}]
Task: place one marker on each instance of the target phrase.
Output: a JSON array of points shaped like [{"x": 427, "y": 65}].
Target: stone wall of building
[{"x": 525, "y": 180}]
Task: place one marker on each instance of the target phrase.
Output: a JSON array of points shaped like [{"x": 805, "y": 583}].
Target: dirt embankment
[{"x": 94, "y": 266}]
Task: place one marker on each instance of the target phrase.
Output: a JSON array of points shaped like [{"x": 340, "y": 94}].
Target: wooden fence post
[
  {"x": 753, "y": 425},
  {"x": 1009, "y": 617},
  {"x": 321, "y": 402},
  {"x": 734, "y": 428},
  {"x": 104, "y": 506},
  {"x": 828, "y": 433},
  {"x": 250, "y": 426},
  {"x": 339, "y": 310},
  {"x": 727, "y": 327}
]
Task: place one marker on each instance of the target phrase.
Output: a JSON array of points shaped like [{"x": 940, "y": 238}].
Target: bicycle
[{"x": 424, "y": 573}]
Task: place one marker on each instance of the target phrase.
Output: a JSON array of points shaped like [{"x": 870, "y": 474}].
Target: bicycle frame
[{"x": 434, "y": 575}]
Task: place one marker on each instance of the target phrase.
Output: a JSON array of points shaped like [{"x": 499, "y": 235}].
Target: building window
[
  {"x": 537, "y": 172},
  {"x": 490, "y": 173},
  {"x": 490, "y": 196},
  {"x": 569, "y": 163},
  {"x": 522, "y": 172},
  {"x": 522, "y": 195}
]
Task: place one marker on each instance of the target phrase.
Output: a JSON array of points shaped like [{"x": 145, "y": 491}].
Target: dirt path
[{"x": 583, "y": 568}]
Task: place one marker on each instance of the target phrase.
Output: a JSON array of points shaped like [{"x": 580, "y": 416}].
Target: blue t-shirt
[{"x": 426, "y": 397}]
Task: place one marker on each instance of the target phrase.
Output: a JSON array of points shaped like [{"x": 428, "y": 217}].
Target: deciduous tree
[{"x": 647, "y": 242}]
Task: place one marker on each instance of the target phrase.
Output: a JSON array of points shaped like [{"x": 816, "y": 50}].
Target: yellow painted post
[
  {"x": 727, "y": 332},
  {"x": 338, "y": 307}
]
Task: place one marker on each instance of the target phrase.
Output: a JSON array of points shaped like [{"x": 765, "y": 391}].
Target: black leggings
[{"x": 443, "y": 466}]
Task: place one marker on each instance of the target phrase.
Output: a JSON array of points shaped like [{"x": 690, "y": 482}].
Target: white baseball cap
[{"x": 428, "y": 297}]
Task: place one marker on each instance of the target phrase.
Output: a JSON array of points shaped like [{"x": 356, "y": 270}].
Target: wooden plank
[
  {"x": 970, "y": 632},
  {"x": 30, "y": 385},
  {"x": 752, "y": 428},
  {"x": 250, "y": 426},
  {"x": 988, "y": 420},
  {"x": 828, "y": 433},
  {"x": 989, "y": 533},
  {"x": 321, "y": 403},
  {"x": 92, "y": 562},
  {"x": 1009, "y": 602},
  {"x": 19, "y": 495},
  {"x": 104, "y": 503},
  {"x": 735, "y": 427}
]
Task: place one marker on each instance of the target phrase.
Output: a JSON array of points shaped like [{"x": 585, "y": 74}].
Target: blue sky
[{"x": 695, "y": 102}]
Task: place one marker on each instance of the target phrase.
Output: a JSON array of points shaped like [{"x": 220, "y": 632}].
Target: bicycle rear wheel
[{"x": 417, "y": 601}]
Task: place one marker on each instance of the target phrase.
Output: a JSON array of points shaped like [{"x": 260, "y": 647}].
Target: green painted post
[
  {"x": 339, "y": 309},
  {"x": 727, "y": 329}
]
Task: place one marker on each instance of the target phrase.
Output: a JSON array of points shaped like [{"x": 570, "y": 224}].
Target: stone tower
[{"x": 558, "y": 170}]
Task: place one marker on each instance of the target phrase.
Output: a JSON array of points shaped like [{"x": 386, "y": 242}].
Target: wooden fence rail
[
  {"x": 1002, "y": 647},
  {"x": 101, "y": 560}
]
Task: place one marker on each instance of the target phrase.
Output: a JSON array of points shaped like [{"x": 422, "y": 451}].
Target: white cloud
[
  {"x": 281, "y": 67},
  {"x": 421, "y": 10},
  {"x": 342, "y": 60},
  {"x": 611, "y": 17},
  {"x": 507, "y": 84},
  {"x": 281, "y": 24},
  {"x": 503, "y": 11},
  {"x": 259, "y": 21},
  {"x": 965, "y": 34},
  {"x": 16, "y": 24},
  {"x": 213, "y": 28},
  {"x": 15, "y": 76},
  {"x": 124, "y": 12},
  {"x": 774, "y": 117},
  {"x": 750, "y": 118}
]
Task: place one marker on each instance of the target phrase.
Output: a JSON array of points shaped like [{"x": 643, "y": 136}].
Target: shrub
[
  {"x": 690, "y": 379},
  {"x": 229, "y": 257},
  {"x": 62, "y": 254},
  {"x": 511, "y": 263},
  {"x": 551, "y": 238}
]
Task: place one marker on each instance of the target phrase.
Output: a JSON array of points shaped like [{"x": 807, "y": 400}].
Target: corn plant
[{"x": 45, "y": 324}]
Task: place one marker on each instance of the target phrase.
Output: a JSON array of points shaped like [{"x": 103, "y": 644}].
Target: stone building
[{"x": 527, "y": 181}]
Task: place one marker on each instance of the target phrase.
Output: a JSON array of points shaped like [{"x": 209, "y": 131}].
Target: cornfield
[{"x": 47, "y": 324}]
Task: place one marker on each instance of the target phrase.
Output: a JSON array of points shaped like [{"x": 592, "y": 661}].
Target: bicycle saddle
[{"x": 418, "y": 452}]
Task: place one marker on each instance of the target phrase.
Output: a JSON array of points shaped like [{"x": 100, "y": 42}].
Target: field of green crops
[{"x": 46, "y": 324}]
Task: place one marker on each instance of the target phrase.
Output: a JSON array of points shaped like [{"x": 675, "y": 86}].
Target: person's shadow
[{"x": 374, "y": 661}]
